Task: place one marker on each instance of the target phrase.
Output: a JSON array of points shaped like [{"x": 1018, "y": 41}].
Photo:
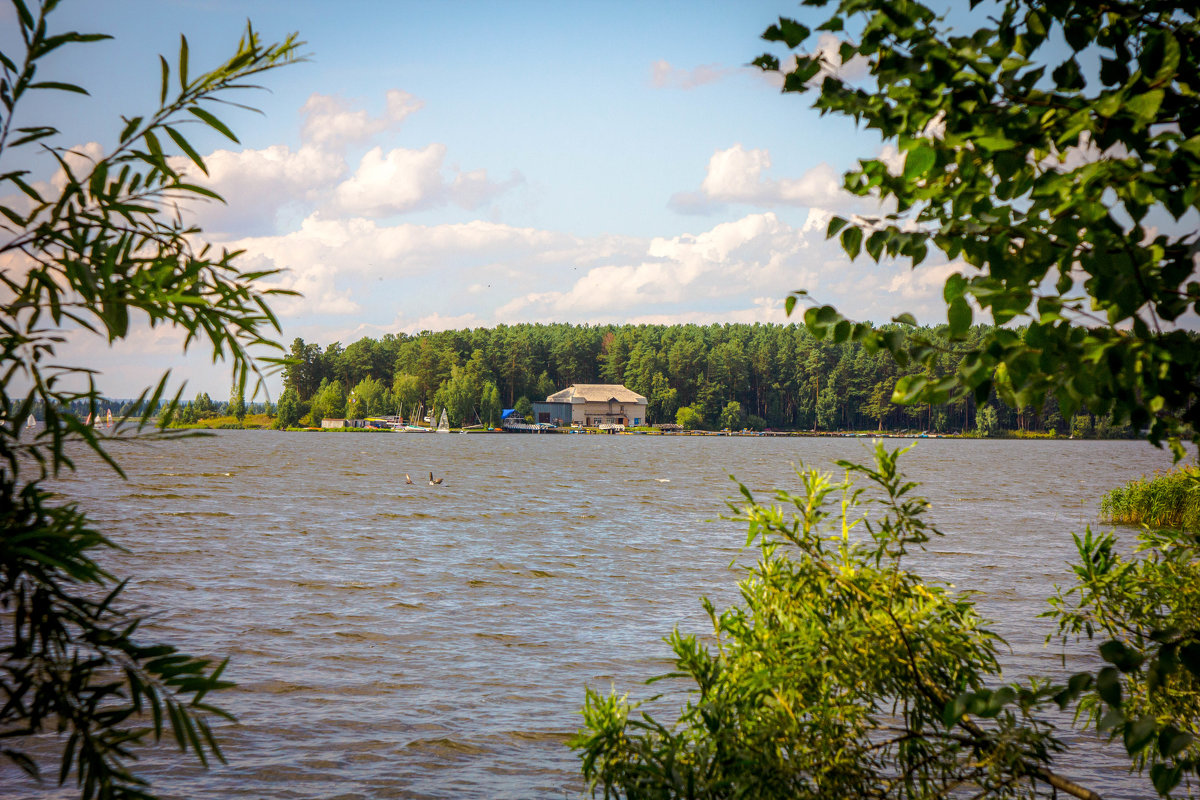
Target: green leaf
[
  {"x": 183, "y": 63},
  {"x": 1189, "y": 655},
  {"x": 131, "y": 126},
  {"x": 875, "y": 243},
  {"x": 908, "y": 389},
  {"x": 1172, "y": 741},
  {"x": 13, "y": 217},
  {"x": 1077, "y": 684},
  {"x": 959, "y": 315},
  {"x": 25, "y": 187},
  {"x": 954, "y": 710},
  {"x": 1145, "y": 106},
  {"x": 59, "y": 86},
  {"x": 1170, "y": 60},
  {"x": 788, "y": 31},
  {"x": 23, "y": 13},
  {"x": 1120, "y": 655},
  {"x": 186, "y": 147},
  {"x": 1139, "y": 734},
  {"x": 33, "y": 135},
  {"x": 852, "y": 241},
  {"x": 213, "y": 122},
  {"x": 1108, "y": 686},
  {"x": 1165, "y": 778},
  {"x": 994, "y": 142},
  {"x": 956, "y": 285},
  {"x": 919, "y": 161}
]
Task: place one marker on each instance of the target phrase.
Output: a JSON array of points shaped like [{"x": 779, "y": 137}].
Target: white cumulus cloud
[
  {"x": 331, "y": 121},
  {"x": 739, "y": 175},
  {"x": 663, "y": 75},
  {"x": 403, "y": 180},
  {"x": 257, "y": 184}
]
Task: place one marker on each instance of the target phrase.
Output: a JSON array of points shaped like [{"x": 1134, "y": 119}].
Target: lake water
[{"x": 435, "y": 641}]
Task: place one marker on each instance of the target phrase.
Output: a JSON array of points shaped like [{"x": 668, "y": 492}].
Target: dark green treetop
[{"x": 1060, "y": 184}]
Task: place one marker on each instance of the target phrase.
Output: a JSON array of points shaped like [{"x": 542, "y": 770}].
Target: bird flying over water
[{"x": 433, "y": 482}]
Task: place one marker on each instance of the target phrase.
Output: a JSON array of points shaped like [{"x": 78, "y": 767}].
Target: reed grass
[{"x": 1165, "y": 500}]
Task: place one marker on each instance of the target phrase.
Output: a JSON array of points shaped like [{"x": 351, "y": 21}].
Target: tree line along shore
[{"x": 760, "y": 377}]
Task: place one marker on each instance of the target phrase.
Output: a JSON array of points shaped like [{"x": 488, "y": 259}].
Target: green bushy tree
[
  {"x": 827, "y": 410},
  {"x": 1066, "y": 191},
  {"x": 986, "y": 422},
  {"x": 1054, "y": 184},
  {"x": 287, "y": 413},
  {"x": 524, "y": 408},
  {"x": 489, "y": 405},
  {"x": 689, "y": 418},
  {"x": 1059, "y": 187},
  {"x": 100, "y": 250},
  {"x": 732, "y": 416},
  {"x": 237, "y": 401},
  {"x": 842, "y": 673},
  {"x": 328, "y": 402},
  {"x": 366, "y": 398},
  {"x": 406, "y": 393},
  {"x": 203, "y": 405}
]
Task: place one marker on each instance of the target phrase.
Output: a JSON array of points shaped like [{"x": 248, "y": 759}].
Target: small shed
[
  {"x": 556, "y": 414},
  {"x": 329, "y": 422}
]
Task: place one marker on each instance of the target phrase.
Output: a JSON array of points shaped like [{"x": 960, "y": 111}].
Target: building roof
[{"x": 595, "y": 393}]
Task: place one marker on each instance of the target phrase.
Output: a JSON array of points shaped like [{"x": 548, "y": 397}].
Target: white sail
[{"x": 444, "y": 423}]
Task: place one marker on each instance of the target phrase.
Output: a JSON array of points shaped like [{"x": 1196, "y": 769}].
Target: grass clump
[{"x": 1166, "y": 500}]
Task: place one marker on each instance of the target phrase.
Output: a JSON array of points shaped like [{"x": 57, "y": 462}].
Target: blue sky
[{"x": 446, "y": 165}]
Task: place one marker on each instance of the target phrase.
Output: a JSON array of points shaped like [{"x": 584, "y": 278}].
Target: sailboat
[
  {"x": 412, "y": 426},
  {"x": 443, "y": 423},
  {"x": 89, "y": 420},
  {"x": 108, "y": 419}
]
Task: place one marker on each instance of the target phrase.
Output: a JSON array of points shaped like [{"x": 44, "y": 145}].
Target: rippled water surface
[{"x": 434, "y": 641}]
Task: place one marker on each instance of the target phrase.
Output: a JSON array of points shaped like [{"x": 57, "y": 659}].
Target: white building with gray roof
[{"x": 592, "y": 405}]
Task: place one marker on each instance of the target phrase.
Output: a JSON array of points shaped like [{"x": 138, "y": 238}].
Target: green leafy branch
[
  {"x": 94, "y": 257},
  {"x": 986, "y": 122}
]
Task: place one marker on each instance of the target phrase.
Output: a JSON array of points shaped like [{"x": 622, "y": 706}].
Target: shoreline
[{"x": 742, "y": 433}]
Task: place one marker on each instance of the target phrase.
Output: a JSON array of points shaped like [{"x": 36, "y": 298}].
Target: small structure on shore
[
  {"x": 331, "y": 422},
  {"x": 512, "y": 422},
  {"x": 592, "y": 405}
]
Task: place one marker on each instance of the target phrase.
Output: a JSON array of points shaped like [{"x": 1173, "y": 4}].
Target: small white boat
[{"x": 444, "y": 423}]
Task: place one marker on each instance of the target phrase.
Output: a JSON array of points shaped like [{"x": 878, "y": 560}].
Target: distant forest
[{"x": 716, "y": 376}]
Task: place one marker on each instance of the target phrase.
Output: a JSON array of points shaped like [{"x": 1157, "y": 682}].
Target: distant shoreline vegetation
[
  {"x": 1165, "y": 500},
  {"x": 736, "y": 377},
  {"x": 759, "y": 377}
]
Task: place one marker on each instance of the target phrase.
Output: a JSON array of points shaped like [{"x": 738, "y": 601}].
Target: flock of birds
[{"x": 432, "y": 481}]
